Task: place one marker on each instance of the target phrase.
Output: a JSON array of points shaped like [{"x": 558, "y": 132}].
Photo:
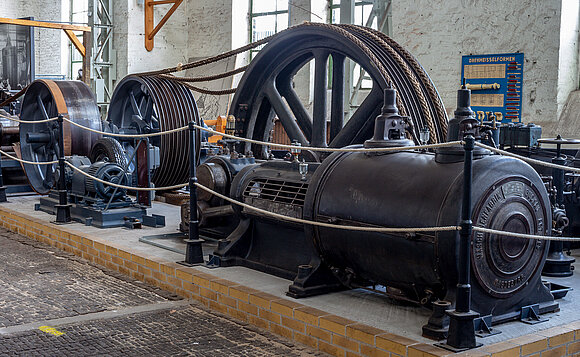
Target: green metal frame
[{"x": 251, "y": 18}]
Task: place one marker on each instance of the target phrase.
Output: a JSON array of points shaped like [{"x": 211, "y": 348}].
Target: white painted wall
[
  {"x": 170, "y": 42},
  {"x": 197, "y": 30},
  {"x": 568, "y": 61},
  {"x": 439, "y": 32}
]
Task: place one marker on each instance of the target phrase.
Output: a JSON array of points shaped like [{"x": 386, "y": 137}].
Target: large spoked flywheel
[
  {"x": 266, "y": 89},
  {"x": 144, "y": 104},
  {"x": 46, "y": 99}
]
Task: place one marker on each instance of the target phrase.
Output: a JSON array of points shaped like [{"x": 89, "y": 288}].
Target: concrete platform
[{"x": 349, "y": 322}]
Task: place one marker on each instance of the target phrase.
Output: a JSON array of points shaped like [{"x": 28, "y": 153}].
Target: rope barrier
[
  {"x": 29, "y": 121},
  {"x": 327, "y": 225},
  {"x": 381, "y": 229},
  {"x": 28, "y": 162},
  {"x": 166, "y": 188},
  {"x": 127, "y": 135},
  {"x": 523, "y": 235},
  {"x": 299, "y": 220},
  {"x": 527, "y": 159},
  {"x": 285, "y": 146}
]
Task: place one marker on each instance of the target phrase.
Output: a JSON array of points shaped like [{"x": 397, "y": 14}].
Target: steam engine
[{"x": 397, "y": 189}]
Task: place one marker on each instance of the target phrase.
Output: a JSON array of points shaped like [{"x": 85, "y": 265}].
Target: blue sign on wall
[{"x": 496, "y": 85}]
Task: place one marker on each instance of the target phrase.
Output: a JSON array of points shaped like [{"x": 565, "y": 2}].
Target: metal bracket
[
  {"x": 483, "y": 327},
  {"x": 150, "y": 29},
  {"x": 213, "y": 262},
  {"x": 154, "y": 221},
  {"x": 531, "y": 315}
]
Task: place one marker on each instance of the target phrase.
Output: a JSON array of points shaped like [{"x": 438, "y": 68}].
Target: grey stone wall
[{"x": 439, "y": 32}]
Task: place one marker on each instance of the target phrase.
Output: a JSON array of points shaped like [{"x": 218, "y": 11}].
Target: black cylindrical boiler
[{"x": 410, "y": 189}]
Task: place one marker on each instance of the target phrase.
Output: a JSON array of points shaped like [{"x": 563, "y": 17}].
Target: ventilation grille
[{"x": 277, "y": 191}]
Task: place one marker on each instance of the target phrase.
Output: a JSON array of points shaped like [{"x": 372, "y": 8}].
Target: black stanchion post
[
  {"x": 461, "y": 329},
  {"x": 193, "y": 250},
  {"x": 62, "y": 208},
  {"x": 2, "y": 187}
]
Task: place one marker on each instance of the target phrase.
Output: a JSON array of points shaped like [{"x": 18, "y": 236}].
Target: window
[
  {"x": 362, "y": 11},
  {"x": 364, "y": 16},
  {"x": 267, "y": 17}
]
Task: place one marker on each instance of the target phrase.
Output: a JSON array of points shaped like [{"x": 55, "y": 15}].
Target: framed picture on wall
[{"x": 16, "y": 56}]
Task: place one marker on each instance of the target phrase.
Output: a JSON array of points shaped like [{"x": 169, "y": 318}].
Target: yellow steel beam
[
  {"x": 150, "y": 29},
  {"x": 76, "y": 42},
  {"x": 48, "y": 25}
]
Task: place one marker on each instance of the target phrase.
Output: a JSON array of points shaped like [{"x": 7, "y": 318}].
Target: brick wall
[{"x": 329, "y": 333}]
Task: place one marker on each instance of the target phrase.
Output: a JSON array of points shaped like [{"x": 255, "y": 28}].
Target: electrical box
[
  {"x": 496, "y": 85},
  {"x": 520, "y": 135}
]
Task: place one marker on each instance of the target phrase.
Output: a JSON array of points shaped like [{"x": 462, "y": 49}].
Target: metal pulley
[
  {"x": 267, "y": 88},
  {"x": 47, "y": 99},
  {"x": 149, "y": 104}
]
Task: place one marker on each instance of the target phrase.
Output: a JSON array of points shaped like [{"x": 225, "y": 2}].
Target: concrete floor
[{"x": 371, "y": 309}]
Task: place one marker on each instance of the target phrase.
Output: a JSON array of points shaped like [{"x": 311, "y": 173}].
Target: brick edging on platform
[{"x": 329, "y": 333}]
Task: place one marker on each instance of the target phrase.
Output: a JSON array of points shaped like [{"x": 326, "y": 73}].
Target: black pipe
[
  {"x": 38, "y": 138},
  {"x": 193, "y": 250},
  {"x": 2, "y": 187},
  {"x": 461, "y": 329},
  {"x": 558, "y": 264},
  {"x": 62, "y": 208}
]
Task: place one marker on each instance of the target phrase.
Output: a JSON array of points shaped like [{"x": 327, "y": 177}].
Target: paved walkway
[{"x": 53, "y": 303}]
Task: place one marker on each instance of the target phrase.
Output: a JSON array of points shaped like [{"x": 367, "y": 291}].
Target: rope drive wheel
[
  {"x": 266, "y": 89},
  {"x": 147, "y": 104},
  {"x": 45, "y": 99}
]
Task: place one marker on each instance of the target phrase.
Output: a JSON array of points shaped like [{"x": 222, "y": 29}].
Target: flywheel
[
  {"x": 267, "y": 88},
  {"x": 46, "y": 99}
]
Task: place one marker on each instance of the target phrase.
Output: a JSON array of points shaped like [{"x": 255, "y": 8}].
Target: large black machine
[
  {"x": 399, "y": 189},
  {"x": 412, "y": 188},
  {"x": 92, "y": 154}
]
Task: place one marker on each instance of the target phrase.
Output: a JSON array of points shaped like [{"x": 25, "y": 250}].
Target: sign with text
[{"x": 496, "y": 85}]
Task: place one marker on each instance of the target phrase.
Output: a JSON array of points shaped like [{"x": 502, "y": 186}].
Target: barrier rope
[
  {"x": 524, "y": 235},
  {"x": 312, "y": 148},
  {"x": 299, "y": 220},
  {"x": 166, "y": 188},
  {"x": 28, "y": 162},
  {"x": 382, "y": 229},
  {"x": 285, "y": 146},
  {"x": 126, "y": 135},
  {"x": 328, "y": 225},
  {"x": 527, "y": 159},
  {"x": 29, "y": 121}
]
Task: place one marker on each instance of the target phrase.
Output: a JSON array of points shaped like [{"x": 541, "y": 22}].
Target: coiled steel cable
[{"x": 410, "y": 78}]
